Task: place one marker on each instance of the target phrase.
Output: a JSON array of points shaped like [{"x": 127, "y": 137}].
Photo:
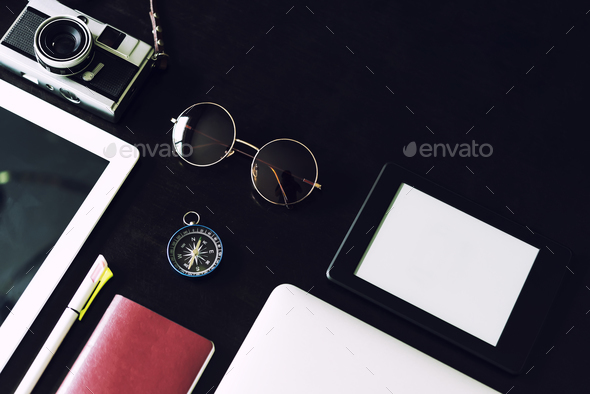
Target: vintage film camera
[{"x": 87, "y": 62}]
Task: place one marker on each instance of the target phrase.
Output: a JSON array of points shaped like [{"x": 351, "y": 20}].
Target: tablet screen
[
  {"x": 44, "y": 179},
  {"x": 447, "y": 263}
]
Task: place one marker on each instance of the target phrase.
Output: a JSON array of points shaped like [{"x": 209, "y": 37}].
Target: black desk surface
[{"x": 355, "y": 82}]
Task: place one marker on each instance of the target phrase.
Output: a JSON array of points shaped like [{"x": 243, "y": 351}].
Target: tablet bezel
[
  {"x": 94, "y": 140},
  {"x": 533, "y": 303}
]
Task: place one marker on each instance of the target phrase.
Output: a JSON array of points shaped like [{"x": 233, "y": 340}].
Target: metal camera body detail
[{"x": 104, "y": 90}]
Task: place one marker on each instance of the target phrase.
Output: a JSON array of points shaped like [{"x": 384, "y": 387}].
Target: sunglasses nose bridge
[{"x": 247, "y": 144}]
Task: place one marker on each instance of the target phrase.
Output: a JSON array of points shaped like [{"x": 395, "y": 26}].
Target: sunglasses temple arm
[
  {"x": 282, "y": 190},
  {"x": 316, "y": 185}
]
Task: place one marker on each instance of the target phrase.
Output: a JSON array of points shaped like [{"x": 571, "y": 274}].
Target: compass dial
[{"x": 195, "y": 250}]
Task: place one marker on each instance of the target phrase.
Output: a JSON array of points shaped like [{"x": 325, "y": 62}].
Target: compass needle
[{"x": 195, "y": 249}]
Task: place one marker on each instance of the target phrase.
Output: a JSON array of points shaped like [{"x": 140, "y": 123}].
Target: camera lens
[{"x": 63, "y": 45}]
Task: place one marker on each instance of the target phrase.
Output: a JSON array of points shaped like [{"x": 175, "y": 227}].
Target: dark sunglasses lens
[
  {"x": 284, "y": 171},
  {"x": 204, "y": 134}
]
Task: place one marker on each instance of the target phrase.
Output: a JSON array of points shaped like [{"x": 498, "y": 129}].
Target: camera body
[{"x": 87, "y": 62}]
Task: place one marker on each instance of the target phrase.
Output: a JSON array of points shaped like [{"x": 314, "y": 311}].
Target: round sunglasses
[{"x": 283, "y": 172}]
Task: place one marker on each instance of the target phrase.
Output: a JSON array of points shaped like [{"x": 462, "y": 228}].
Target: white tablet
[{"x": 58, "y": 174}]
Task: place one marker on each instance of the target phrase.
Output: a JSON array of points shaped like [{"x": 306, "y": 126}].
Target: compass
[{"x": 194, "y": 250}]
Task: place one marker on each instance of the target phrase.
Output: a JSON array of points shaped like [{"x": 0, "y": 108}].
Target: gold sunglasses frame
[{"x": 230, "y": 151}]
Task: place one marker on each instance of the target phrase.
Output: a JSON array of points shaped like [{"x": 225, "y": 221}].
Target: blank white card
[{"x": 448, "y": 263}]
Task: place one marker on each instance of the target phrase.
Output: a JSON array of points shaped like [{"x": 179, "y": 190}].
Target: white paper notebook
[{"x": 300, "y": 344}]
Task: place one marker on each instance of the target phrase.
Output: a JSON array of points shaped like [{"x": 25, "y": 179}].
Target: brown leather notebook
[{"x": 135, "y": 350}]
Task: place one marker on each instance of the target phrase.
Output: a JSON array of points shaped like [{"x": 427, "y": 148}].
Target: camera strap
[{"x": 160, "y": 57}]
